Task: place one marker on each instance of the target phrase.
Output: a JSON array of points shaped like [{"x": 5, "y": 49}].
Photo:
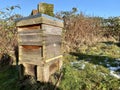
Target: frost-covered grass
[{"x": 92, "y": 68}]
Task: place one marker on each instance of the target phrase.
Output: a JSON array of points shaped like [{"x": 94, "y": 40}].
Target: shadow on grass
[
  {"x": 30, "y": 83},
  {"x": 9, "y": 80},
  {"x": 118, "y": 44},
  {"x": 111, "y": 43},
  {"x": 99, "y": 59},
  {"x": 95, "y": 59},
  {"x": 9, "y": 77}
]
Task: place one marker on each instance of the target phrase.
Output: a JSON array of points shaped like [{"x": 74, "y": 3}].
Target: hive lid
[{"x": 39, "y": 19}]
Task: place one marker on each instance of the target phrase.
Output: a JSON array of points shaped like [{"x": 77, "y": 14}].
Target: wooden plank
[
  {"x": 40, "y": 73},
  {"x": 31, "y": 43},
  {"x": 29, "y": 69},
  {"x": 52, "y": 22},
  {"x": 43, "y": 73},
  {"x": 39, "y": 19},
  {"x": 54, "y": 58},
  {"x": 52, "y": 29},
  {"x": 30, "y": 31},
  {"x": 31, "y": 54},
  {"x": 29, "y": 21},
  {"x": 35, "y": 61},
  {"x": 54, "y": 67},
  {"x": 51, "y": 39},
  {"x": 31, "y": 37},
  {"x": 46, "y": 73},
  {"x": 53, "y": 50},
  {"x": 39, "y": 63}
]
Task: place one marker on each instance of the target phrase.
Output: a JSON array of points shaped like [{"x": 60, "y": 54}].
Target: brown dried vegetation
[{"x": 81, "y": 30}]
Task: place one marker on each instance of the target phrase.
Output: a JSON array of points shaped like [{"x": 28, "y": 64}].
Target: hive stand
[{"x": 39, "y": 38}]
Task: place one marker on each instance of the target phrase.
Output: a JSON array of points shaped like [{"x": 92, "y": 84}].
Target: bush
[{"x": 8, "y": 30}]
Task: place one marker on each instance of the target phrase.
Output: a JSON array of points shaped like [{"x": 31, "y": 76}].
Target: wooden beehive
[{"x": 39, "y": 38}]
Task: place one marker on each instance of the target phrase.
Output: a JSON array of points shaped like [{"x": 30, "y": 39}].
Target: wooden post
[
  {"x": 43, "y": 73},
  {"x": 29, "y": 69},
  {"x": 39, "y": 73}
]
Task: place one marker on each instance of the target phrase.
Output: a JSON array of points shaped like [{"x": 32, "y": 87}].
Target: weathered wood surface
[
  {"x": 53, "y": 39},
  {"x": 43, "y": 73},
  {"x": 53, "y": 50},
  {"x": 30, "y": 31},
  {"x": 53, "y": 67},
  {"x": 25, "y": 38},
  {"x": 52, "y": 29},
  {"x": 38, "y": 19},
  {"x": 30, "y": 55},
  {"x": 39, "y": 38},
  {"x": 30, "y": 37},
  {"x": 29, "y": 69}
]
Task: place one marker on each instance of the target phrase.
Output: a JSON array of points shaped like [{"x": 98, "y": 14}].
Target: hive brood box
[{"x": 39, "y": 38}]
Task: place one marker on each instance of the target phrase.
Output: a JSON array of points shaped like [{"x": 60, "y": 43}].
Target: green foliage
[
  {"x": 67, "y": 14},
  {"x": 6, "y": 13},
  {"x": 88, "y": 69},
  {"x": 8, "y": 29},
  {"x": 9, "y": 79},
  {"x": 91, "y": 78},
  {"x": 46, "y": 9},
  {"x": 112, "y": 26}
]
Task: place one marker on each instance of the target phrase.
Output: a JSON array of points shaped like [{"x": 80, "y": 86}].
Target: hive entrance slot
[
  {"x": 30, "y": 27},
  {"x": 35, "y": 71},
  {"x": 31, "y": 47}
]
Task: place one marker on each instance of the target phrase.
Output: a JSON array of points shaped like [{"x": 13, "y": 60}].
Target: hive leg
[
  {"x": 29, "y": 69},
  {"x": 43, "y": 73}
]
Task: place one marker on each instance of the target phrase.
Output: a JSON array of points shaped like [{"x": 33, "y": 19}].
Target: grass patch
[
  {"x": 92, "y": 68},
  {"x": 9, "y": 79}
]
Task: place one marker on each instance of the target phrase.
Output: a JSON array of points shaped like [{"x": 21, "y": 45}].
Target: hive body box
[{"x": 39, "y": 38}]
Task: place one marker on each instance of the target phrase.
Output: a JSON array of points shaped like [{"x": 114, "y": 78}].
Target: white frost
[
  {"x": 115, "y": 75},
  {"x": 118, "y": 59},
  {"x": 114, "y": 68},
  {"x": 83, "y": 66},
  {"x": 112, "y": 71}
]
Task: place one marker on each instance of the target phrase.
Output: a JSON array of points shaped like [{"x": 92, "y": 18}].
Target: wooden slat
[
  {"x": 52, "y": 29},
  {"x": 39, "y": 63},
  {"x": 54, "y": 59},
  {"x": 31, "y": 37},
  {"x": 31, "y": 54},
  {"x": 54, "y": 67},
  {"x": 51, "y": 39},
  {"x": 53, "y": 51},
  {"x": 31, "y": 43},
  {"x": 39, "y": 19},
  {"x": 30, "y": 31}
]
